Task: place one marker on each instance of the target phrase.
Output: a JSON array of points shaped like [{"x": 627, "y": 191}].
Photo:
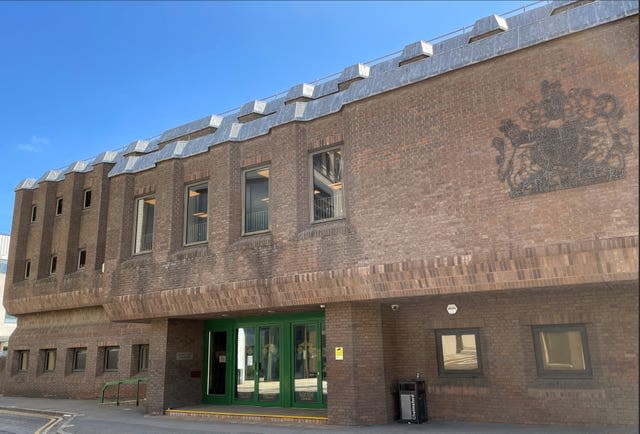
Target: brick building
[{"x": 466, "y": 209}]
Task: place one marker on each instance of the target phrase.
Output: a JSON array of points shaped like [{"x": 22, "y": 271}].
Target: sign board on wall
[
  {"x": 339, "y": 353},
  {"x": 184, "y": 356}
]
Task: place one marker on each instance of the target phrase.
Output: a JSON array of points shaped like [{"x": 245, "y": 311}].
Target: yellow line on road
[{"x": 51, "y": 420}]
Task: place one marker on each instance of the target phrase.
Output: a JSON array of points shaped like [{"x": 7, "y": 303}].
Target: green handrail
[{"x": 117, "y": 383}]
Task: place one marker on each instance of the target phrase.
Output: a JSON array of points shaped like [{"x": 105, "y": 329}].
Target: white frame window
[
  {"x": 196, "y": 213},
  {"x": 255, "y": 203},
  {"x": 143, "y": 224},
  {"x": 326, "y": 185}
]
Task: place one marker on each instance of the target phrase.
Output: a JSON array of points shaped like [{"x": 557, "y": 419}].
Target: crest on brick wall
[{"x": 565, "y": 140}]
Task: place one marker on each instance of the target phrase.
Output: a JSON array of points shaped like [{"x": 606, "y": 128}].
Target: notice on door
[{"x": 339, "y": 353}]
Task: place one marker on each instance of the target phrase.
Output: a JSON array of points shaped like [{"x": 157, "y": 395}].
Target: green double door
[{"x": 268, "y": 361}]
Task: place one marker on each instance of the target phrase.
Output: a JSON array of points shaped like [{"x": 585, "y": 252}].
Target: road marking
[{"x": 51, "y": 420}]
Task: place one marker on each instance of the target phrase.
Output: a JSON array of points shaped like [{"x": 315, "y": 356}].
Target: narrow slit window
[
  {"x": 53, "y": 265},
  {"x": 49, "y": 360},
  {"x": 87, "y": 198},
  {"x": 34, "y": 213},
  {"x": 27, "y": 269},
  {"x": 23, "y": 360},
  {"x": 82, "y": 259},
  {"x": 143, "y": 357},
  {"x": 59, "y": 206}
]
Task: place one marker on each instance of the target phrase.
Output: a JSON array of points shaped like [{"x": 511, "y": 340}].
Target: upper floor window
[
  {"x": 196, "y": 214},
  {"x": 327, "y": 194},
  {"x": 256, "y": 200},
  {"x": 59, "y": 206},
  {"x": 561, "y": 350},
  {"x": 143, "y": 230},
  {"x": 34, "y": 213},
  {"x": 458, "y": 352},
  {"x": 87, "y": 199},
  {"x": 82, "y": 259},
  {"x": 53, "y": 265}
]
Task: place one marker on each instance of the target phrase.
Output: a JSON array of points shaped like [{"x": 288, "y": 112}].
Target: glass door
[
  {"x": 309, "y": 382},
  {"x": 258, "y": 364}
]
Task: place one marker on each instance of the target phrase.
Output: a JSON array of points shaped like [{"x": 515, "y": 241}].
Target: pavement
[{"x": 68, "y": 416}]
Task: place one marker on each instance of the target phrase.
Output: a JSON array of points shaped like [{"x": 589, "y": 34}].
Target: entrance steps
[{"x": 252, "y": 415}]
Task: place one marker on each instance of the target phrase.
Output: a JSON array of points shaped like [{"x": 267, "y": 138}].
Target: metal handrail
[{"x": 117, "y": 383}]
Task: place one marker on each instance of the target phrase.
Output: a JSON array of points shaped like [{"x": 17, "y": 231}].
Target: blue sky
[{"x": 78, "y": 78}]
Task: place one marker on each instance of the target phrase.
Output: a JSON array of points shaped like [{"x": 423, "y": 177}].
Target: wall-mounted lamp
[{"x": 452, "y": 309}]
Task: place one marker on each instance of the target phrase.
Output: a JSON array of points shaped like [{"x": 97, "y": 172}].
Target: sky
[{"x": 79, "y": 78}]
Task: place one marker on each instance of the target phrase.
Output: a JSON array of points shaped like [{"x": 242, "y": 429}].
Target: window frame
[
  {"x": 53, "y": 265},
  {"x": 135, "y": 224},
  {"x": 34, "y": 213},
  {"x": 105, "y": 365},
  {"x": 311, "y": 188},
  {"x": 84, "y": 198},
  {"x": 559, "y": 373},
  {"x": 186, "y": 214},
  {"x": 74, "y": 360},
  {"x": 46, "y": 358},
  {"x": 59, "y": 205},
  {"x": 468, "y": 373},
  {"x": 243, "y": 193}
]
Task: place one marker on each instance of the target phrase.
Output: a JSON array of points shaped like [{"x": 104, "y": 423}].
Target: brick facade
[{"x": 428, "y": 222}]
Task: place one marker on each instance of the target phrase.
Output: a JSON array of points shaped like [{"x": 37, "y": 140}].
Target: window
[
  {"x": 53, "y": 265},
  {"x": 27, "y": 269},
  {"x": 143, "y": 357},
  {"x": 561, "y": 350},
  {"x": 196, "y": 214},
  {"x": 256, "y": 200},
  {"x": 79, "y": 359},
  {"x": 34, "y": 213},
  {"x": 49, "y": 360},
  {"x": 111, "y": 358},
  {"x": 459, "y": 352},
  {"x": 3, "y": 266},
  {"x": 87, "y": 199},
  {"x": 59, "y": 206},
  {"x": 23, "y": 360},
  {"x": 143, "y": 230},
  {"x": 82, "y": 259},
  {"x": 327, "y": 196}
]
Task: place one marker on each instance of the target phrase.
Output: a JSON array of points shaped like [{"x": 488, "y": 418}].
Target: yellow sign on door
[{"x": 339, "y": 353}]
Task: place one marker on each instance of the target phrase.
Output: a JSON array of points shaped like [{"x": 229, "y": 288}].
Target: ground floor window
[
  {"x": 111, "y": 355},
  {"x": 49, "y": 360},
  {"x": 79, "y": 359},
  {"x": 143, "y": 357},
  {"x": 267, "y": 361},
  {"x": 562, "y": 350},
  {"x": 458, "y": 352},
  {"x": 23, "y": 360}
]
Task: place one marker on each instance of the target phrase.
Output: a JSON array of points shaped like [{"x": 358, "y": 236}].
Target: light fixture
[
  {"x": 265, "y": 199},
  {"x": 322, "y": 306},
  {"x": 395, "y": 307},
  {"x": 452, "y": 309},
  {"x": 200, "y": 214},
  {"x": 316, "y": 191},
  {"x": 263, "y": 172},
  {"x": 193, "y": 193},
  {"x": 336, "y": 185},
  {"x": 150, "y": 201}
]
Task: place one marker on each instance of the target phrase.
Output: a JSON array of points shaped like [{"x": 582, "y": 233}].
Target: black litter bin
[{"x": 413, "y": 401}]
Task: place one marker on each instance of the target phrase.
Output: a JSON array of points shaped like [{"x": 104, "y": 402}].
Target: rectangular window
[
  {"x": 561, "y": 350},
  {"x": 458, "y": 352},
  {"x": 327, "y": 194},
  {"x": 143, "y": 230},
  {"x": 53, "y": 265},
  {"x": 256, "y": 200},
  {"x": 23, "y": 360},
  {"x": 87, "y": 199},
  {"x": 49, "y": 361},
  {"x": 82, "y": 259},
  {"x": 34, "y": 213},
  {"x": 143, "y": 357},
  {"x": 111, "y": 358},
  {"x": 196, "y": 214},
  {"x": 59, "y": 206},
  {"x": 79, "y": 359},
  {"x": 27, "y": 269}
]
